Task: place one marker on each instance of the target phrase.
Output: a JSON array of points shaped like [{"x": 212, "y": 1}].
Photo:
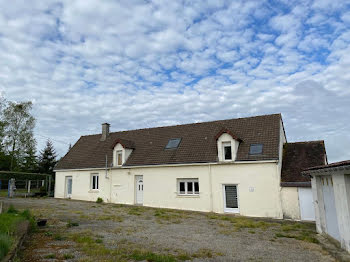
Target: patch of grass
[
  {"x": 8, "y": 227},
  {"x": 251, "y": 231},
  {"x": 99, "y": 200},
  {"x": 99, "y": 241},
  {"x": 5, "y": 244},
  {"x": 48, "y": 234},
  {"x": 50, "y": 256},
  {"x": 12, "y": 210},
  {"x": 203, "y": 253},
  {"x": 169, "y": 216},
  {"x": 58, "y": 237},
  {"x": 306, "y": 236},
  {"x": 84, "y": 217},
  {"x": 135, "y": 211},
  {"x": 243, "y": 222},
  {"x": 72, "y": 224},
  {"x": 68, "y": 256},
  {"x": 184, "y": 257},
  {"x": 115, "y": 218}
]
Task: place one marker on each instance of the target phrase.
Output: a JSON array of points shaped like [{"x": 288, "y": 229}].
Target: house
[
  {"x": 221, "y": 166},
  {"x": 297, "y": 157},
  {"x": 331, "y": 192}
]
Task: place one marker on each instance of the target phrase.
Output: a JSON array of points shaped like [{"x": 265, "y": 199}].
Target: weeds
[
  {"x": 99, "y": 200},
  {"x": 72, "y": 224},
  {"x": 68, "y": 256},
  {"x": 50, "y": 256}
]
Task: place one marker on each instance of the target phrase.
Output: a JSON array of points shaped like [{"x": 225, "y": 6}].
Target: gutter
[
  {"x": 171, "y": 165},
  {"x": 323, "y": 170}
]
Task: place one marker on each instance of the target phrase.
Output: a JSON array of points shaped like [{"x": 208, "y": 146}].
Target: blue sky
[{"x": 141, "y": 64}]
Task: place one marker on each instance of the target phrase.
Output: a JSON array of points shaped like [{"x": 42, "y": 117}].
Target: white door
[
  {"x": 230, "y": 198},
  {"x": 139, "y": 190},
  {"x": 329, "y": 206},
  {"x": 69, "y": 185},
  {"x": 306, "y": 203}
]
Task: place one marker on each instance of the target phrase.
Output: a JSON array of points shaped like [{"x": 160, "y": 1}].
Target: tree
[
  {"x": 18, "y": 129},
  {"x": 2, "y": 123},
  {"x": 47, "y": 159}
]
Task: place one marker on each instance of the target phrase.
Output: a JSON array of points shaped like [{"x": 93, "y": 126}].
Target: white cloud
[{"x": 142, "y": 64}]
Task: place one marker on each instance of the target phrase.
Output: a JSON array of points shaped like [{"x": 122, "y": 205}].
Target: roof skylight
[
  {"x": 256, "y": 149},
  {"x": 173, "y": 143}
]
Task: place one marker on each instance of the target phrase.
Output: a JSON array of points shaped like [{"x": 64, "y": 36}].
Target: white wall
[
  {"x": 81, "y": 185},
  {"x": 258, "y": 187},
  {"x": 290, "y": 203}
]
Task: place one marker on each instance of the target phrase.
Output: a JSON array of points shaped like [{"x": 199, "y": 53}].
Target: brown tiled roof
[
  {"x": 198, "y": 144},
  {"x": 299, "y": 156},
  {"x": 336, "y": 164},
  {"x": 124, "y": 142}
]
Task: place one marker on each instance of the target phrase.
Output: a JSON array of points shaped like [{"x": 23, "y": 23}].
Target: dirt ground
[{"x": 86, "y": 231}]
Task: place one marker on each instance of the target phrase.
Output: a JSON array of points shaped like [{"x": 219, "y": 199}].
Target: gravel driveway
[{"x": 86, "y": 231}]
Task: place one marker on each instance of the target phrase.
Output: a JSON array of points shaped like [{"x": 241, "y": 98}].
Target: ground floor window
[
  {"x": 188, "y": 186},
  {"x": 94, "y": 181}
]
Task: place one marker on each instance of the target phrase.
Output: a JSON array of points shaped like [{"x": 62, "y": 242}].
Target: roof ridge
[{"x": 205, "y": 122}]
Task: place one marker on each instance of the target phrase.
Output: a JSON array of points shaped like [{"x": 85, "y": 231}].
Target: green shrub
[
  {"x": 99, "y": 200},
  {"x": 12, "y": 210}
]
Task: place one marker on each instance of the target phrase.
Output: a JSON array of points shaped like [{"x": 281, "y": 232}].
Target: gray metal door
[{"x": 329, "y": 206}]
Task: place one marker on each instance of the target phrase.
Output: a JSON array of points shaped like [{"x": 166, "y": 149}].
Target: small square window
[
  {"x": 173, "y": 143},
  {"x": 256, "y": 149}
]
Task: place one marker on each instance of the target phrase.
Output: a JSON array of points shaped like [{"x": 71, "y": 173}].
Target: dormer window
[
  {"x": 227, "y": 150},
  {"x": 122, "y": 149},
  {"x": 227, "y": 145},
  {"x": 119, "y": 158}
]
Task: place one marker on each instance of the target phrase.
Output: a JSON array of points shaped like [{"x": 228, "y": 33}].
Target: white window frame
[
  {"x": 119, "y": 152},
  {"x": 97, "y": 182},
  {"x": 226, "y": 144},
  {"x": 186, "y": 181}
]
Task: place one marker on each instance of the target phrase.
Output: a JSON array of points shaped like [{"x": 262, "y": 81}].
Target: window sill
[
  {"x": 187, "y": 196},
  {"x": 94, "y": 191}
]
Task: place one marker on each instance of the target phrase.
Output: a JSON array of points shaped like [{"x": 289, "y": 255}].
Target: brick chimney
[{"x": 105, "y": 131}]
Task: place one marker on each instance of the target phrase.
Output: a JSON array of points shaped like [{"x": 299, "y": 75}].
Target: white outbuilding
[{"x": 331, "y": 193}]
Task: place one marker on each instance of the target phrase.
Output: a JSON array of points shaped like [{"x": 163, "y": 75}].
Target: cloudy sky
[{"x": 149, "y": 63}]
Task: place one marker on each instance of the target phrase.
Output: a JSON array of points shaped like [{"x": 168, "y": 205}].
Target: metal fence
[{"x": 18, "y": 184}]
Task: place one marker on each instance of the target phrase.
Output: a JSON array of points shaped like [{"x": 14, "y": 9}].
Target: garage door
[
  {"x": 329, "y": 206},
  {"x": 306, "y": 203}
]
